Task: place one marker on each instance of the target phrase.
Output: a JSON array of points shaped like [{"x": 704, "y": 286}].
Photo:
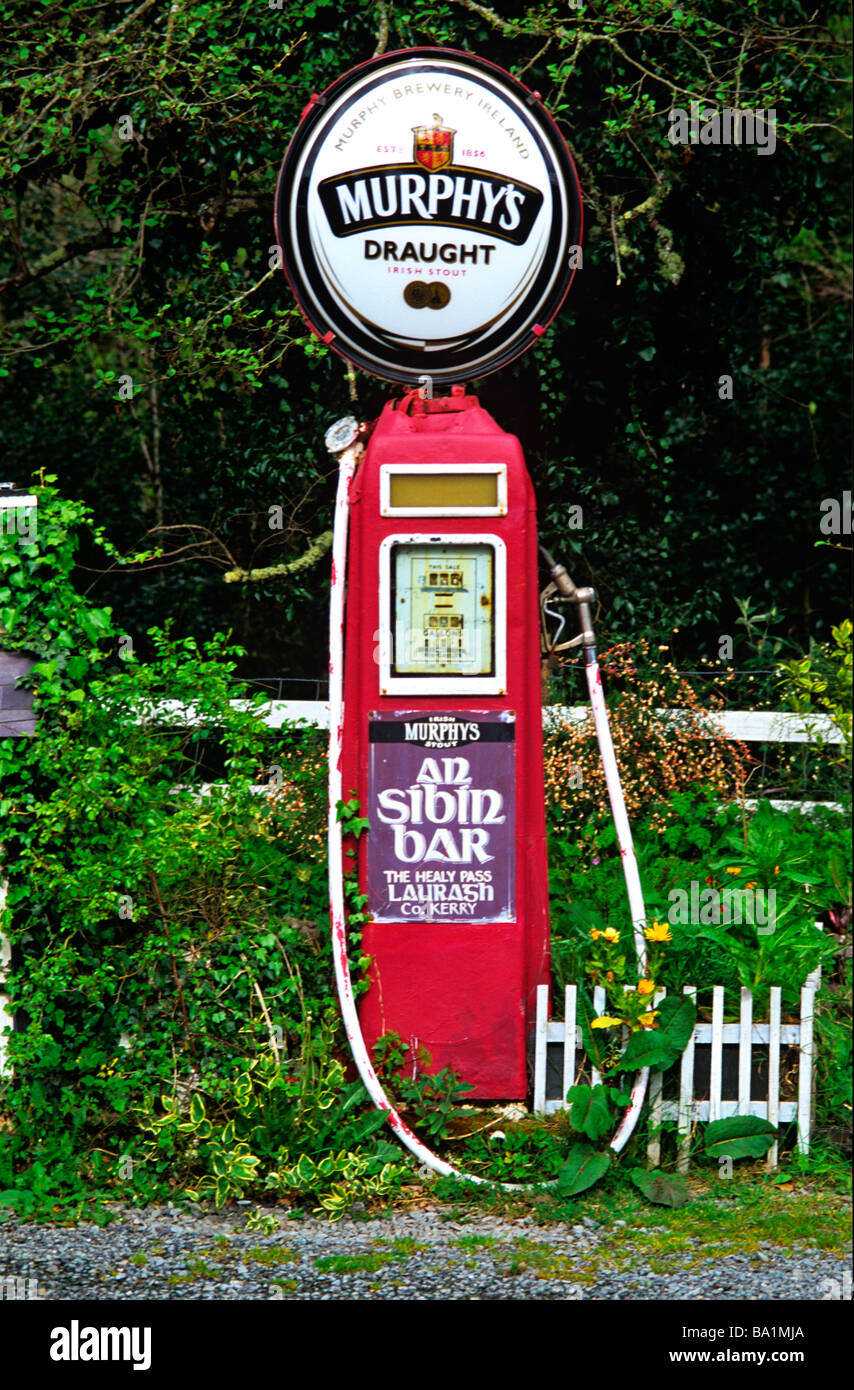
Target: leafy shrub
[
  {"x": 698, "y": 844},
  {"x": 296, "y": 1131},
  {"x": 429, "y": 1098},
  {"x": 657, "y": 756},
  {"x": 822, "y": 682},
  {"x": 165, "y": 920}
]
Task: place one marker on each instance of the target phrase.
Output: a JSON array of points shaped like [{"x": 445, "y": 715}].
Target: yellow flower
[
  {"x": 606, "y": 1022},
  {"x": 659, "y": 931},
  {"x": 594, "y": 934},
  {"x": 776, "y": 868},
  {"x": 610, "y": 934},
  {"x": 732, "y": 871},
  {"x": 647, "y": 1020},
  {"x": 646, "y": 986}
]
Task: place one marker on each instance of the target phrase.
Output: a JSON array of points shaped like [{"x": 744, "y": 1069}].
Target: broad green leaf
[
  {"x": 584, "y": 1166},
  {"x": 590, "y": 1111},
  {"x": 665, "y": 1189},
  {"x": 740, "y": 1136},
  {"x": 646, "y": 1049},
  {"x": 305, "y": 1168},
  {"x": 662, "y": 1046},
  {"x": 95, "y": 623},
  {"x": 677, "y": 1016}
]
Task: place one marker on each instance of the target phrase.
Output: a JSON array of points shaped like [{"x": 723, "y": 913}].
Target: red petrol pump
[
  {"x": 431, "y": 249},
  {"x": 443, "y": 738}
]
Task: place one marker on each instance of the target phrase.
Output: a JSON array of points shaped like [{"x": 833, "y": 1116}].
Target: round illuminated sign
[{"x": 429, "y": 216}]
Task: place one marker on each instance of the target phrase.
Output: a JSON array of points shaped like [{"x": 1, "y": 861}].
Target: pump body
[{"x": 442, "y": 739}]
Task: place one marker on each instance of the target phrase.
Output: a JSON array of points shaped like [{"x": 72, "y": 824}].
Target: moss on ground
[
  {"x": 370, "y": 1261},
  {"x": 738, "y": 1216}
]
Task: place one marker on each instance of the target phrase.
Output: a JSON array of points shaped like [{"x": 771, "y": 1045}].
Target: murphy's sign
[{"x": 428, "y": 216}]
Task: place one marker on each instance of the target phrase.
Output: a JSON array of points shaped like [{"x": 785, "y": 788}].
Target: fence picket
[
  {"x": 774, "y": 1071},
  {"x": 717, "y": 1053},
  {"x": 685, "y": 1115},
  {"x": 656, "y": 1083},
  {"x": 569, "y": 1039},
  {"x": 598, "y": 1009},
  {"x": 745, "y": 1021},
  {"x": 540, "y": 1049},
  {"x": 806, "y": 1059}
]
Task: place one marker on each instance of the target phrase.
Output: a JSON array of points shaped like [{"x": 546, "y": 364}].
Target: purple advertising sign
[{"x": 441, "y": 806}]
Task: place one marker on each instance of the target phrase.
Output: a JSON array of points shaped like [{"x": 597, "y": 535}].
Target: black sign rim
[{"x": 312, "y": 296}]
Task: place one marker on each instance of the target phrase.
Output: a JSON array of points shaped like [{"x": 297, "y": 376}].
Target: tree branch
[
  {"x": 60, "y": 256},
  {"x": 382, "y": 28},
  {"x": 303, "y": 562}
]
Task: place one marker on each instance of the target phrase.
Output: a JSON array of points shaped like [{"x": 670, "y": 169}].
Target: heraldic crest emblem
[{"x": 434, "y": 145}]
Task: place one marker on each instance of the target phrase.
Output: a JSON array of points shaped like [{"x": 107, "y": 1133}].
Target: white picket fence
[
  {"x": 748, "y": 726},
  {"x": 752, "y": 1039}
]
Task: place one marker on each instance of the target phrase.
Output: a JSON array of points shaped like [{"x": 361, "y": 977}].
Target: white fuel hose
[
  {"x": 343, "y": 440},
  {"x": 630, "y": 869}
]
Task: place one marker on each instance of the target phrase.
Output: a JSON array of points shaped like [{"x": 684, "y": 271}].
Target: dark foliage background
[{"x": 150, "y": 256}]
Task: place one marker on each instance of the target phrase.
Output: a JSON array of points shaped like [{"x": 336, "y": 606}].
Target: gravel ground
[{"x": 168, "y": 1254}]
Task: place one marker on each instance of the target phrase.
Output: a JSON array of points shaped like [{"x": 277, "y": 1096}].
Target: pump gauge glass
[{"x": 443, "y": 601}]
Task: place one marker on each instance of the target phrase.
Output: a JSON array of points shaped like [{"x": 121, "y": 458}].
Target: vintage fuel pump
[
  {"x": 429, "y": 220},
  {"x": 443, "y": 737}
]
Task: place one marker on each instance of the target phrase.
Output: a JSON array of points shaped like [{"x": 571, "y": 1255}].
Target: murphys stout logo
[
  {"x": 465, "y": 199},
  {"x": 429, "y": 216},
  {"x": 434, "y": 146}
]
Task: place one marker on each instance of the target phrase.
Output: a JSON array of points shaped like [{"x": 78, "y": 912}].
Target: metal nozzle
[{"x": 560, "y": 575}]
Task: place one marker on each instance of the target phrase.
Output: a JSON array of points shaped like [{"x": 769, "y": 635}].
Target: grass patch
[
  {"x": 475, "y": 1242},
  {"x": 736, "y": 1216},
  {"x": 196, "y": 1269},
  {"x": 371, "y": 1260},
  {"x": 270, "y": 1255},
  {"x": 284, "y": 1286},
  {"x": 535, "y": 1257},
  {"x": 749, "y": 1214},
  {"x": 368, "y": 1263},
  {"x": 401, "y": 1248}
]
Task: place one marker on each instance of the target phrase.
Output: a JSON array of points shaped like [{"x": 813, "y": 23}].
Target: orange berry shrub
[
  {"x": 296, "y": 805},
  {"x": 681, "y": 779},
  {"x": 658, "y": 753}
]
